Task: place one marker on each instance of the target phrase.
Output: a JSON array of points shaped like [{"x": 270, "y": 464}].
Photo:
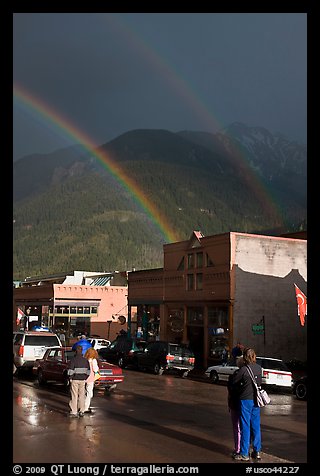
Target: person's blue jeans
[{"x": 249, "y": 425}]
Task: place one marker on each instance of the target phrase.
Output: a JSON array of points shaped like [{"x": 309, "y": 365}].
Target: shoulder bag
[
  {"x": 97, "y": 375},
  {"x": 262, "y": 396}
]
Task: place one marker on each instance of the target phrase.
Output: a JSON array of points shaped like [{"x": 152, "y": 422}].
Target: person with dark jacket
[
  {"x": 85, "y": 344},
  {"x": 234, "y": 407},
  {"x": 78, "y": 371},
  {"x": 249, "y": 410}
]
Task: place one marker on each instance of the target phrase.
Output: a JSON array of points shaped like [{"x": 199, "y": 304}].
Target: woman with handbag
[
  {"x": 92, "y": 355},
  {"x": 249, "y": 409}
]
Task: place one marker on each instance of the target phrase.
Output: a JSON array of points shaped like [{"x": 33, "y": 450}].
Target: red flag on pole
[
  {"x": 302, "y": 304},
  {"x": 20, "y": 314}
]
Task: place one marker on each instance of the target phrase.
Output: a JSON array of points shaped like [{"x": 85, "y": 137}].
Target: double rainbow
[{"x": 49, "y": 114}]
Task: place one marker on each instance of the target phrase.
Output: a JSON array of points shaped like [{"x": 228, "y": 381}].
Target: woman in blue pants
[{"x": 249, "y": 410}]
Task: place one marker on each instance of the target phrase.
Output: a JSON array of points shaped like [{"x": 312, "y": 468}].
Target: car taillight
[
  {"x": 191, "y": 360},
  {"x": 265, "y": 374},
  {"x": 169, "y": 357},
  {"x": 20, "y": 352}
]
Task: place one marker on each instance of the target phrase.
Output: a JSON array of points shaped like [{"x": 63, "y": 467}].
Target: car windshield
[
  {"x": 178, "y": 349},
  {"x": 231, "y": 363},
  {"x": 47, "y": 341}
]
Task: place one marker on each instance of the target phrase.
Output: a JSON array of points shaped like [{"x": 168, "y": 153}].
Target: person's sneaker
[
  {"x": 81, "y": 414},
  {"x": 73, "y": 415},
  {"x": 255, "y": 455},
  {"x": 239, "y": 457},
  {"x": 234, "y": 453}
]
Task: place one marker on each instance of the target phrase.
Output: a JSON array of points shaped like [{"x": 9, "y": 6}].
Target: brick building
[{"x": 214, "y": 291}]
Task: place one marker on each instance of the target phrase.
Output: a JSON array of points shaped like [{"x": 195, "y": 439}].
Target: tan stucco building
[{"x": 73, "y": 304}]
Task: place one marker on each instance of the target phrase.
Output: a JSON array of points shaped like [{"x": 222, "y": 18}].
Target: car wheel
[
  {"x": 214, "y": 377},
  {"x": 110, "y": 388},
  {"x": 66, "y": 381},
  {"x": 157, "y": 369},
  {"x": 41, "y": 379},
  {"x": 301, "y": 391}
]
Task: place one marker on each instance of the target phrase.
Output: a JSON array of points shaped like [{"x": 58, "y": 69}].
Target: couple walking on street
[
  {"x": 81, "y": 372},
  {"x": 244, "y": 411}
]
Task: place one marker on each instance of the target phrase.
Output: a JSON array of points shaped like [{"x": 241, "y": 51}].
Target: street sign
[{"x": 257, "y": 329}]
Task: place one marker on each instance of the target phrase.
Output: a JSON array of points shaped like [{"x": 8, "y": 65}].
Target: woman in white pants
[{"x": 92, "y": 355}]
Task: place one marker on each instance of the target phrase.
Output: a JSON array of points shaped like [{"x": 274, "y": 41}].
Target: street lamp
[{"x": 109, "y": 324}]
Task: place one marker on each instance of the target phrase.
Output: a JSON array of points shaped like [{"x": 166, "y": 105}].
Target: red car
[{"x": 53, "y": 367}]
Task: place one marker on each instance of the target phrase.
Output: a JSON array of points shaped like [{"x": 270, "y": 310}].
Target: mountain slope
[{"x": 72, "y": 214}]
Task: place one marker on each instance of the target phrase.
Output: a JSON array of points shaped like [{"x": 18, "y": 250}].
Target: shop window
[
  {"x": 146, "y": 322},
  {"x": 79, "y": 310},
  {"x": 86, "y": 310},
  {"x": 94, "y": 310},
  {"x": 195, "y": 315},
  {"x": 217, "y": 346},
  {"x": 218, "y": 332},
  {"x": 175, "y": 323},
  {"x": 218, "y": 317},
  {"x": 80, "y": 325}
]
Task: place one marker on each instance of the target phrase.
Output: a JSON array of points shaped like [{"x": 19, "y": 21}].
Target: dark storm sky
[{"x": 108, "y": 73}]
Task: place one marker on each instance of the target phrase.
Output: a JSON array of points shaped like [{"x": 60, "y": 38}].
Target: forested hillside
[{"x": 69, "y": 213}]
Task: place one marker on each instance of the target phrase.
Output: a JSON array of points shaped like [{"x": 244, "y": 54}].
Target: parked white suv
[
  {"x": 31, "y": 345},
  {"x": 274, "y": 372}
]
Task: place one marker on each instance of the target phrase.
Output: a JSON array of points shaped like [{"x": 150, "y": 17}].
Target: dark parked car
[
  {"x": 298, "y": 368},
  {"x": 300, "y": 388},
  {"x": 123, "y": 351},
  {"x": 54, "y": 367},
  {"x": 159, "y": 356}
]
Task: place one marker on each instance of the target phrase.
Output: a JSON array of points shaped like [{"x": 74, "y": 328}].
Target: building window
[
  {"x": 79, "y": 326},
  {"x": 175, "y": 323},
  {"x": 181, "y": 265},
  {"x": 199, "y": 260},
  {"x": 218, "y": 317},
  {"x": 195, "y": 315},
  {"x": 199, "y": 281},
  {"x": 190, "y": 260},
  {"x": 218, "y": 332},
  {"x": 209, "y": 260},
  {"x": 190, "y": 282}
]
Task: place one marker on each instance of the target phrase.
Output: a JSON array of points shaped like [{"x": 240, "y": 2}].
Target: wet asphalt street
[{"x": 148, "y": 419}]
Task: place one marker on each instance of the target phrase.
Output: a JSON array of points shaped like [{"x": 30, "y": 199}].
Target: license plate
[{"x": 280, "y": 377}]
